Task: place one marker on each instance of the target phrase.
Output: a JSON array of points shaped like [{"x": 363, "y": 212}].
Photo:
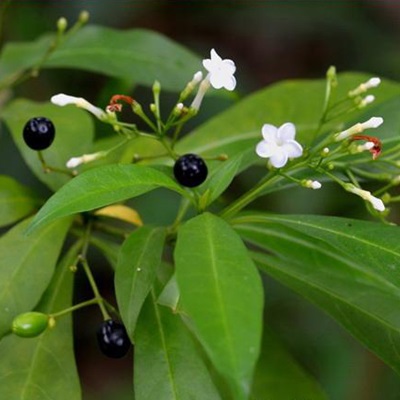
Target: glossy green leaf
[
  {"x": 108, "y": 248},
  {"x": 221, "y": 293},
  {"x": 102, "y": 186},
  {"x": 239, "y": 128},
  {"x": 74, "y": 135},
  {"x": 137, "y": 55},
  {"x": 44, "y": 367},
  {"x": 17, "y": 57},
  {"x": 167, "y": 363},
  {"x": 16, "y": 200},
  {"x": 278, "y": 376},
  {"x": 26, "y": 267},
  {"x": 221, "y": 179},
  {"x": 347, "y": 267},
  {"x": 139, "y": 258}
]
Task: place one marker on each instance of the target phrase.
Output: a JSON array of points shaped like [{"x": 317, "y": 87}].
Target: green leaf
[
  {"x": 137, "y": 55},
  {"x": 109, "y": 249},
  {"x": 167, "y": 363},
  {"x": 44, "y": 367},
  {"x": 347, "y": 267},
  {"x": 26, "y": 267},
  {"x": 102, "y": 186},
  {"x": 221, "y": 179},
  {"x": 278, "y": 376},
  {"x": 17, "y": 57},
  {"x": 16, "y": 200},
  {"x": 139, "y": 258},
  {"x": 221, "y": 293},
  {"x": 239, "y": 128},
  {"x": 74, "y": 135}
]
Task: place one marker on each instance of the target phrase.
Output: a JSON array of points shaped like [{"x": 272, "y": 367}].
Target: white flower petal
[
  {"x": 229, "y": 66},
  {"x": 279, "y": 159},
  {"x": 214, "y": 56},
  {"x": 208, "y": 64},
  {"x": 287, "y": 131},
  {"x": 269, "y": 132},
  {"x": 230, "y": 84},
  {"x": 265, "y": 149},
  {"x": 293, "y": 149}
]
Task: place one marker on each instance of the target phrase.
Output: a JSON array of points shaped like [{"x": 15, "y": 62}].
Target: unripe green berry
[{"x": 30, "y": 324}]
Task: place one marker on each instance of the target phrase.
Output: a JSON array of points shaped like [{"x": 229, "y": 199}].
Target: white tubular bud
[
  {"x": 373, "y": 122},
  {"x": 376, "y": 203}
]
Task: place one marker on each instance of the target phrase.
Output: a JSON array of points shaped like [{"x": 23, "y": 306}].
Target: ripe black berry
[
  {"x": 39, "y": 133},
  {"x": 113, "y": 339},
  {"x": 190, "y": 170}
]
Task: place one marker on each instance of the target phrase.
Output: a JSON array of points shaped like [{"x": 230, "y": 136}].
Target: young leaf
[
  {"x": 16, "y": 200},
  {"x": 139, "y": 258},
  {"x": 143, "y": 56},
  {"x": 102, "y": 186},
  {"x": 167, "y": 363},
  {"x": 44, "y": 367},
  {"x": 278, "y": 376},
  {"x": 221, "y": 293},
  {"x": 74, "y": 135},
  {"x": 347, "y": 267},
  {"x": 221, "y": 179},
  {"x": 26, "y": 267}
]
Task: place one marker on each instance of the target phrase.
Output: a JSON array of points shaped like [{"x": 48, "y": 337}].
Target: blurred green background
[{"x": 269, "y": 41}]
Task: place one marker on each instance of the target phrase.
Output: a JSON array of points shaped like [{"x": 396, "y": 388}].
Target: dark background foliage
[{"x": 269, "y": 41}]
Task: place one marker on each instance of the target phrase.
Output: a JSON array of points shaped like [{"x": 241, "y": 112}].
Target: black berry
[
  {"x": 39, "y": 133},
  {"x": 190, "y": 170},
  {"x": 113, "y": 339}
]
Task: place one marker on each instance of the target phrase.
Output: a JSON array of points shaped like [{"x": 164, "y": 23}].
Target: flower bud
[{"x": 62, "y": 24}]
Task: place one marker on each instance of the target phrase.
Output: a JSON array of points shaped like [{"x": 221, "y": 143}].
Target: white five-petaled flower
[
  {"x": 220, "y": 72},
  {"x": 62, "y": 99},
  {"x": 220, "y": 75},
  {"x": 367, "y": 196},
  {"x": 279, "y": 144}
]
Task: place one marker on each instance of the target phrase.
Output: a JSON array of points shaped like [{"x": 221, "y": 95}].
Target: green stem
[
  {"x": 249, "y": 196},
  {"x": 74, "y": 308},
  {"x": 88, "y": 272},
  {"x": 47, "y": 168}
]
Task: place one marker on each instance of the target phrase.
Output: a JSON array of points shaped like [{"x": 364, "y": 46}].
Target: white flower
[
  {"x": 62, "y": 99},
  {"x": 372, "y": 123},
  {"x": 279, "y": 144},
  {"x": 75, "y": 161},
  {"x": 367, "y": 196},
  {"x": 220, "y": 72}
]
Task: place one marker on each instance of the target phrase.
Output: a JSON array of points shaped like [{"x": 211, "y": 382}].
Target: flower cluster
[{"x": 278, "y": 144}]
